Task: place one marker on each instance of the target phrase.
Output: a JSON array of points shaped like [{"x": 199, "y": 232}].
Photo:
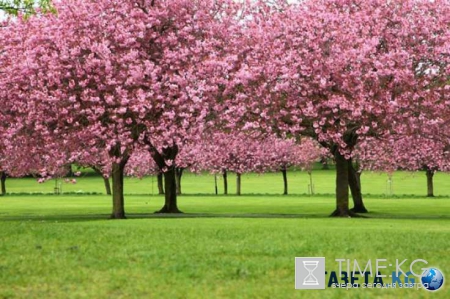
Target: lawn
[
  {"x": 373, "y": 183},
  {"x": 223, "y": 247}
]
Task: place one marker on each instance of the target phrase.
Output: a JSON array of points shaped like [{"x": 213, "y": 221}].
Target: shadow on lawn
[{"x": 136, "y": 216}]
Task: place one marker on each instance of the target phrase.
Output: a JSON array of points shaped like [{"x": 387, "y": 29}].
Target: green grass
[
  {"x": 373, "y": 183},
  {"x": 223, "y": 247}
]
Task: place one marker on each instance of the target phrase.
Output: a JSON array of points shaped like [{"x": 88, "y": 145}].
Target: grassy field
[
  {"x": 223, "y": 247},
  {"x": 373, "y": 183}
]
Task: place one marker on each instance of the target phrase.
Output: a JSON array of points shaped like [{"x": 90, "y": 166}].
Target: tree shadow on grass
[
  {"x": 137, "y": 216},
  {"x": 393, "y": 216},
  {"x": 143, "y": 216},
  {"x": 55, "y": 218}
]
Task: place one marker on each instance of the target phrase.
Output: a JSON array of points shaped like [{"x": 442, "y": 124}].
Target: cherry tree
[
  {"x": 236, "y": 152},
  {"x": 279, "y": 154},
  {"x": 189, "y": 157},
  {"x": 307, "y": 153},
  {"x": 111, "y": 75},
  {"x": 342, "y": 71},
  {"x": 412, "y": 153},
  {"x": 214, "y": 156},
  {"x": 100, "y": 163},
  {"x": 141, "y": 163}
]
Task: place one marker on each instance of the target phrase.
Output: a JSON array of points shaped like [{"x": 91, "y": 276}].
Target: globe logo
[{"x": 432, "y": 279}]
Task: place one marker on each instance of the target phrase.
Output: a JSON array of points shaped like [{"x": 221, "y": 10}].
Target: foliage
[{"x": 25, "y": 7}]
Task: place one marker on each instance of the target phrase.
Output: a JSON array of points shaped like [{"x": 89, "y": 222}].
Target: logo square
[{"x": 309, "y": 273}]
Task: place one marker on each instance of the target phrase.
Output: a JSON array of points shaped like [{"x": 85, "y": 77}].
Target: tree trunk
[
  {"x": 170, "y": 185},
  {"x": 216, "y": 191},
  {"x": 118, "y": 211},
  {"x": 342, "y": 209},
  {"x": 284, "y": 172},
  {"x": 430, "y": 190},
  {"x": 311, "y": 185},
  {"x": 225, "y": 182},
  {"x": 238, "y": 184},
  {"x": 160, "y": 184},
  {"x": 68, "y": 170},
  {"x": 105, "y": 180},
  {"x": 107, "y": 185},
  {"x": 178, "y": 174},
  {"x": 170, "y": 196},
  {"x": 3, "y": 182},
  {"x": 354, "y": 181}
]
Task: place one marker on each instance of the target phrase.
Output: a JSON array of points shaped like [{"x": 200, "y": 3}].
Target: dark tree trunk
[
  {"x": 118, "y": 211},
  {"x": 430, "y": 189},
  {"x": 170, "y": 185},
  {"x": 342, "y": 209},
  {"x": 225, "y": 182},
  {"x": 216, "y": 191},
  {"x": 178, "y": 174},
  {"x": 238, "y": 184},
  {"x": 160, "y": 184},
  {"x": 285, "y": 182},
  {"x": 105, "y": 180},
  {"x": 107, "y": 185},
  {"x": 354, "y": 181},
  {"x": 3, "y": 182},
  {"x": 68, "y": 170},
  {"x": 170, "y": 196}
]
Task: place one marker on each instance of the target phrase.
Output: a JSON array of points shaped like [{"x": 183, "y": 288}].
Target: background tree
[
  {"x": 189, "y": 158},
  {"x": 307, "y": 153},
  {"x": 412, "y": 153},
  {"x": 236, "y": 152},
  {"x": 280, "y": 154},
  {"x": 141, "y": 164}
]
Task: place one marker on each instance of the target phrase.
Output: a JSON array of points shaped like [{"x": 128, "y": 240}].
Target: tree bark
[
  {"x": 216, "y": 191},
  {"x": 170, "y": 185},
  {"x": 160, "y": 184},
  {"x": 178, "y": 174},
  {"x": 107, "y": 185},
  {"x": 105, "y": 180},
  {"x": 118, "y": 211},
  {"x": 354, "y": 181},
  {"x": 430, "y": 188},
  {"x": 170, "y": 196},
  {"x": 238, "y": 184},
  {"x": 68, "y": 169},
  {"x": 225, "y": 182},
  {"x": 3, "y": 182},
  {"x": 311, "y": 185},
  {"x": 342, "y": 171},
  {"x": 285, "y": 182}
]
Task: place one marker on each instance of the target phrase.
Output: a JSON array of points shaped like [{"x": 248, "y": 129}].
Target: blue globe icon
[{"x": 432, "y": 279}]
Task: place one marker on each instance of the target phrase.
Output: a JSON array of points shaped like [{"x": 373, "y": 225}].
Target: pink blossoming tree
[
  {"x": 107, "y": 76},
  {"x": 342, "y": 71}
]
